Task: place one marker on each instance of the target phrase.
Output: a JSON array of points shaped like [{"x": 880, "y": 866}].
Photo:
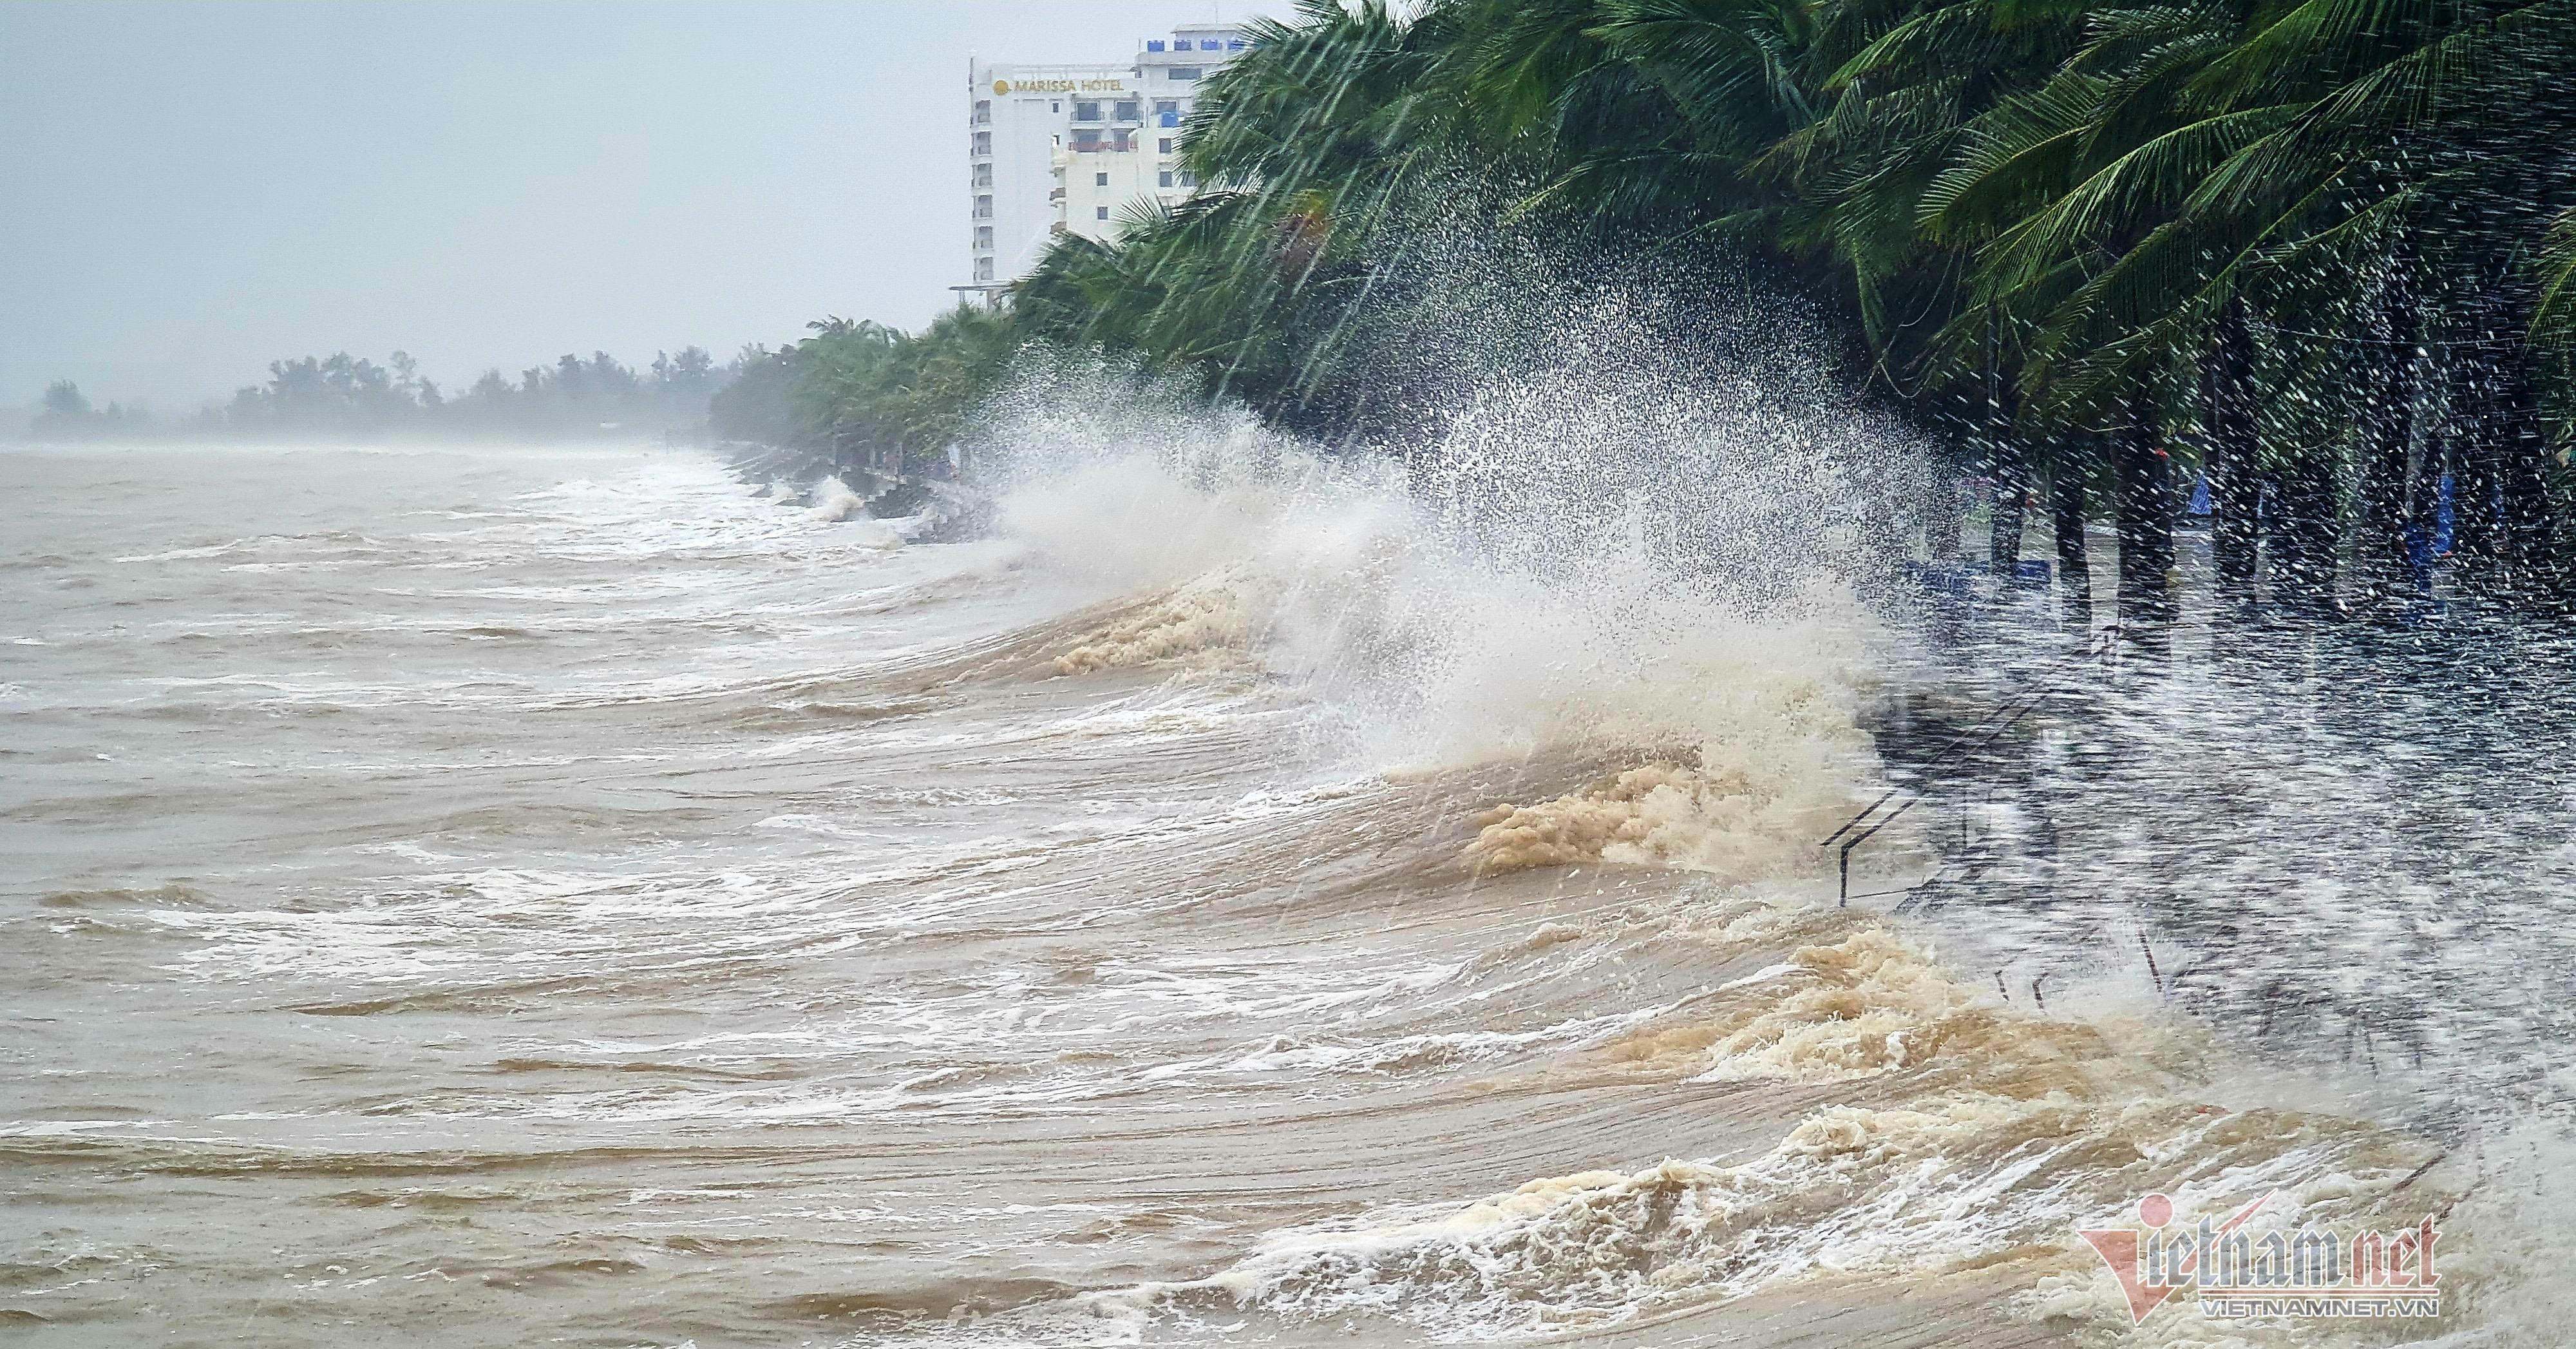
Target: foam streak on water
[{"x": 463, "y": 898}]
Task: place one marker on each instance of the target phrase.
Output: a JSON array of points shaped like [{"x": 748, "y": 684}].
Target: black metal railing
[{"x": 1879, "y": 814}]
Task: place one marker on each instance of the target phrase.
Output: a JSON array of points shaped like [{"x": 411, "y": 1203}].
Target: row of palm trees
[
  {"x": 875, "y": 402},
  {"x": 2322, "y": 252}
]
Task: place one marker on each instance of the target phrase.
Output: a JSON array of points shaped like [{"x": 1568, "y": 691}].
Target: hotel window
[
  {"x": 1100, "y": 213},
  {"x": 1127, "y": 111},
  {"x": 1209, "y": 44},
  {"x": 1167, "y": 113},
  {"x": 1189, "y": 179},
  {"x": 1185, "y": 72},
  {"x": 983, "y": 175},
  {"x": 983, "y": 208},
  {"x": 1086, "y": 112},
  {"x": 1086, "y": 139},
  {"x": 1163, "y": 145},
  {"x": 1154, "y": 45},
  {"x": 1100, "y": 180},
  {"x": 983, "y": 112},
  {"x": 1163, "y": 179},
  {"x": 984, "y": 237},
  {"x": 983, "y": 142},
  {"x": 983, "y": 269}
]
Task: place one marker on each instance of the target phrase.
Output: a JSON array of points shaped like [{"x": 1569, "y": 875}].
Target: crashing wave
[{"x": 1192, "y": 621}]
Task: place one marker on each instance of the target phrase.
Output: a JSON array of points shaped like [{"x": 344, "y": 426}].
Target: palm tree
[
  {"x": 1308, "y": 145},
  {"x": 2058, "y": 231}
]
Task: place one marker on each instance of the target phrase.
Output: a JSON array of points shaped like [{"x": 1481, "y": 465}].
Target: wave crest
[{"x": 1203, "y": 619}]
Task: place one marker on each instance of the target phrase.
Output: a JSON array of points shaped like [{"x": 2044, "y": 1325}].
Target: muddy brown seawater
[{"x": 473, "y": 897}]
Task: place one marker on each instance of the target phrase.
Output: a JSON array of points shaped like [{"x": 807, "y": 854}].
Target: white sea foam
[
  {"x": 835, "y": 502},
  {"x": 1393, "y": 608}
]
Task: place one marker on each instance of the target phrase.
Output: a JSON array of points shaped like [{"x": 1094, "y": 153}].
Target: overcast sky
[{"x": 188, "y": 190}]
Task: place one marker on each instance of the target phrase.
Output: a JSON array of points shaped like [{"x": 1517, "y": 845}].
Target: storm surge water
[{"x": 1256, "y": 896}]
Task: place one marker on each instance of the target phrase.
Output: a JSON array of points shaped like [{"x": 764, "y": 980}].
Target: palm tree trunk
[
  {"x": 2011, "y": 480},
  {"x": 2309, "y": 536},
  {"x": 2503, "y": 531},
  {"x": 1941, "y": 524},
  {"x": 2069, "y": 468},
  {"x": 2477, "y": 543},
  {"x": 2382, "y": 493},
  {"x": 2235, "y": 492},
  {"x": 2482, "y": 397},
  {"x": 2142, "y": 509},
  {"x": 2003, "y": 532},
  {"x": 2522, "y": 462}
]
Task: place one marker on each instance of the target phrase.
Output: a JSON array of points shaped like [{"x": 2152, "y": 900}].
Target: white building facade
[{"x": 1071, "y": 148}]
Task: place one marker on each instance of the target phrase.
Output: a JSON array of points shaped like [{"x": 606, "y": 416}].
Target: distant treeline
[
  {"x": 66, "y": 415},
  {"x": 351, "y": 396}
]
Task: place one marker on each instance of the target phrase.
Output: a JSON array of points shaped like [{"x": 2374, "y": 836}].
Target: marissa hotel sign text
[{"x": 1059, "y": 86}]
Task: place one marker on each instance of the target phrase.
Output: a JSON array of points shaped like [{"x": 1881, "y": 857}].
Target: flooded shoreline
[{"x": 559, "y": 896}]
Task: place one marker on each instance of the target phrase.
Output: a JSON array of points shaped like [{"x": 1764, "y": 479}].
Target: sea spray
[{"x": 1474, "y": 610}]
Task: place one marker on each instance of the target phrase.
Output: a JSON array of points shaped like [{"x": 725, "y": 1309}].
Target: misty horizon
[{"x": 626, "y": 179}]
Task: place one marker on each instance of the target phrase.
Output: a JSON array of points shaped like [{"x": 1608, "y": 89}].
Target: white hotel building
[{"x": 1058, "y": 148}]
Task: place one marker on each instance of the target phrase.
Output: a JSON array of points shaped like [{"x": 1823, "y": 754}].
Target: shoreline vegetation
[
  {"x": 2311, "y": 260},
  {"x": 2309, "y": 264}
]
